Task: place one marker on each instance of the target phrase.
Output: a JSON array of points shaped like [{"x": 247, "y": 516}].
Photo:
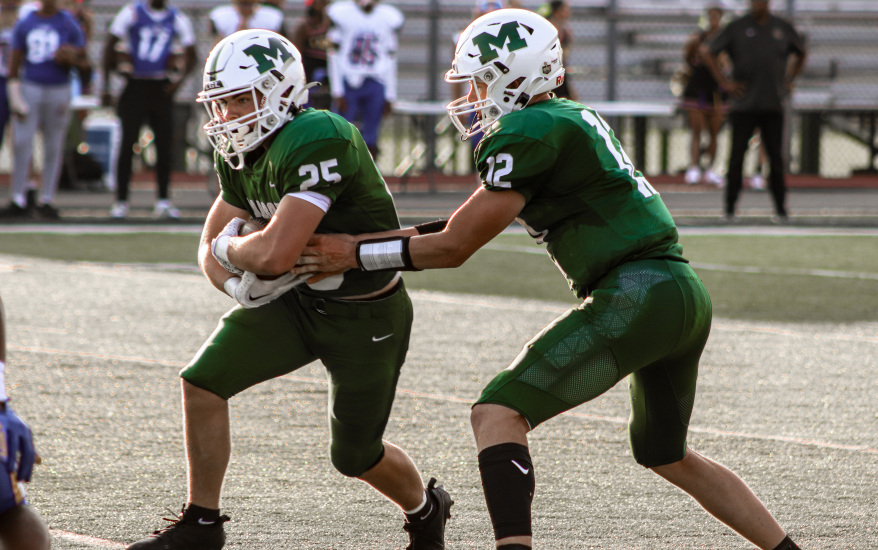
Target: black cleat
[
  {"x": 15, "y": 212},
  {"x": 47, "y": 212},
  {"x": 185, "y": 534},
  {"x": 429, "y": 533}
]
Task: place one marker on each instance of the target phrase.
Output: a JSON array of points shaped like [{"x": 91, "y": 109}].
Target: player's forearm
[
  {"x": 215, "y": 273},
  {"x": 262, "y": 254}
]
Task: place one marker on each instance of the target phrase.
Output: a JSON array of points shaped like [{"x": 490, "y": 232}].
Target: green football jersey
[
  {"x": 584, "y": 198},
  {"x": 318, "y": 152}
]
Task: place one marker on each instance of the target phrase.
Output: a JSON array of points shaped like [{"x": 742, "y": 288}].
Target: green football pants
[
  {"x": 362, "y": 345},
  {"x": 648, "y": 319}
]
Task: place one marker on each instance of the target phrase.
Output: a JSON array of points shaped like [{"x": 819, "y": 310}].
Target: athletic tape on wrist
[
  {"x": 221, "y": 248},
  {"x": 391, "y": 254}
]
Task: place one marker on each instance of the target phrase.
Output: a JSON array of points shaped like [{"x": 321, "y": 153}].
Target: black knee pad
[{"x": 508, "y": 481}]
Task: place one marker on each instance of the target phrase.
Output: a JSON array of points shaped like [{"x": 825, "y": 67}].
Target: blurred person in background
[
  {"x": 767, "y": 54},
  {"x": 703, "y": 101},
  {"x": 20, "y": 527},
  {"x": 558, "y": 13},
  {"x": 309, "y": 37},
  {"x": 46, "y": 44},
  {"x": 362, "y": 62},
  {"x": 242, "y": 15},
  {"x": 148, "y": 31},
  {"x": 8, "y": 18}
]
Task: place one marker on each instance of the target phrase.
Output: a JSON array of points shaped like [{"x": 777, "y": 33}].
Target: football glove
[
  {"x": 219, "y": 247},
  {"x": 252, "y": 292},
  {"x": 18, "y": 455}
]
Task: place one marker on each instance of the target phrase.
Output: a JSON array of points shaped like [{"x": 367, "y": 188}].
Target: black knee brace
[{"x": 509, "y": 483}]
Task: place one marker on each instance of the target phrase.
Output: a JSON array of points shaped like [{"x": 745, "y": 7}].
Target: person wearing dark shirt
[
  {"x": 759, "y": 45},
  {"x": 703, "y": 101},
  {"x": 310, "y": 37}
]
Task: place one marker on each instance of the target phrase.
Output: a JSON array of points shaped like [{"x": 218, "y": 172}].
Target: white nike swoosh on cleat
[
  {"x": 378, "y": 339},
  {"x": 523, "y": 470},
  {"x": 201, "y": 521}
]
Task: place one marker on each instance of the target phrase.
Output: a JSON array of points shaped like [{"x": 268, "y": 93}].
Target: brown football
[{"x": 252, "y": 226}]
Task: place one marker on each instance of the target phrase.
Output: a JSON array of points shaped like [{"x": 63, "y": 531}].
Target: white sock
[{"x": 419, "y": 507}]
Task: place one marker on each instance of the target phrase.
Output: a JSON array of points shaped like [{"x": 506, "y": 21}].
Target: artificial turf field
[{"x": 786, "y": 398}]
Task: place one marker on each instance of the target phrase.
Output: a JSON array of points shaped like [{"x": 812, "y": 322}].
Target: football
[{"x": 252, "y": 226}]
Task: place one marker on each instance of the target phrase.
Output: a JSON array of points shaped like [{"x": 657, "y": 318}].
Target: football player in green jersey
[
  {"x": 304, "y": 171},
  {"x": 555, "y": 166}
]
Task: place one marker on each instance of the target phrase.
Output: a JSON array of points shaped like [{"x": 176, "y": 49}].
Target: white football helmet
[
  {"x": 516, "y": 53},
  {"x": 268, "y": 66}
]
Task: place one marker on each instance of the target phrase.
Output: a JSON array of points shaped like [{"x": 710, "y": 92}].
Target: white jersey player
[
  {"x": 242, "y": 15},
  {"x": 362, "y": 65}
]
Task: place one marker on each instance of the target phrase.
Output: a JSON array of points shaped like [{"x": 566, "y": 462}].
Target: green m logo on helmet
[
  {"x": 488, "y": 44},
  {"x": 262, "y": 54}
]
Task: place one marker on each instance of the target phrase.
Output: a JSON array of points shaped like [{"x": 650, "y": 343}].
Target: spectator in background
[
  {"x": 8, "y": 17},
  {"x": 558, "y": 13},
  {"x": 759, "y": 45},
  {"x": 309, "y": 37},
  {"x": 703, "y": 101},
  {"x": 20, "y": 527},
  {"x": 242, "y": 15},
  {"x": 362, "y": 65},
  {"x": 148, "y": 31},
  {"x": 46, "y": 44}
]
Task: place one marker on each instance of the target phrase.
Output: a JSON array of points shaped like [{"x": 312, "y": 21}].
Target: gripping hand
[
  {"x": 253, "y": 292},
  {"x": 18, "y": 455},
  {"x": 219, "y": 247}
]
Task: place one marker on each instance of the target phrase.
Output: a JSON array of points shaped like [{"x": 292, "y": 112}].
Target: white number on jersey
[
  {"x": 503, "y": 164},
  {"x": 314, "y": 174},
  {"x": 42, "y": 44},
  {"x": 619, "y": 154},
  {"x": 152, "y": 43}
]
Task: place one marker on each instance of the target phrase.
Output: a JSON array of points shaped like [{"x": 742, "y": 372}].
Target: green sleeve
[{"x": 515, "y": 162}]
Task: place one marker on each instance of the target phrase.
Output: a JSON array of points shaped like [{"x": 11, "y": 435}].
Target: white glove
[
  {"x": 252, "y": 291},
  {"x": 219, "y": 247},
  {"x": 17, "y": 104}
]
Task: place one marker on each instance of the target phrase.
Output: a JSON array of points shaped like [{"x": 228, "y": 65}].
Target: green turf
[{"x": 753, "y": 296}]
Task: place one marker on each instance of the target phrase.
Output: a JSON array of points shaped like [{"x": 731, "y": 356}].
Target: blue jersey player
[
  {"x": 20, "y": 527},
  {"x": 148, "y": 34}
]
